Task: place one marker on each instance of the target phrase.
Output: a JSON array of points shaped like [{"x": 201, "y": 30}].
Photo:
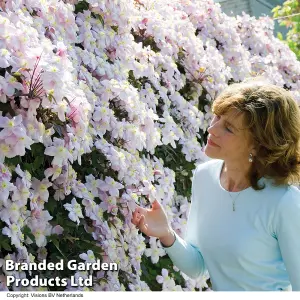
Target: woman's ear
[
  {"x": 254, "y": 146},
  {"x": 255, "y": 150}
]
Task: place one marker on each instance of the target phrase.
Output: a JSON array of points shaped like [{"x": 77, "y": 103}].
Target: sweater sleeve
[
  {"x": 183, "y": 252},
  {"x": 288, "y": 234}
]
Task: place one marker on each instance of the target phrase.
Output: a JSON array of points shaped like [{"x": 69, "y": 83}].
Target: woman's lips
[{"x": 211, "y": 143}]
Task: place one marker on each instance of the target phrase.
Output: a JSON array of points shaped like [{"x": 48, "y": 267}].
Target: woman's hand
[{"x": 152, "y": 222}]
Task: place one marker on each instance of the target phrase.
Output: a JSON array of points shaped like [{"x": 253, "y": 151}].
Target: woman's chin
[{"x": 210, "y": 153}]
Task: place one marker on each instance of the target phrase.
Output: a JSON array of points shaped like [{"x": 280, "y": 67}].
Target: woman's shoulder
[
  {"x": 291, "y": 197},
  {"x": 289, "y": 203},
  {"x": 207, "y": 171},
  {"x": 208, "y": 166},
  {"x": 288, "y": 209}
]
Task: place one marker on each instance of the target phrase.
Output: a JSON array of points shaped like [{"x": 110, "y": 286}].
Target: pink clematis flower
[
  {"x": 111, "y": 186},
  {"x": 4, "y": 172},
  {"x": 14, "y": 232},
  {"x": 40, "y": 226},
  {"x": 11, "y": 126},
  {"x": 41, "y": 188},
  {"x": 54, "y": 172},
  {"x": 5, "y": 187},
  {"x": 11, "y": 212},
  {"x": 4, "y": 58},
  {"x": 12, "y": 84},
  {"x": 57, "y": 230},
  {"x": 61, "y": 50},
  {"x": 3, "y": 86},
  {"x": 19, "y": 143},
  {"x": 59, "y": 151},
  {"x": 74, "y": 209},
  {"x": 88, "y": 257},
  {"x": 25, "y": 175}
]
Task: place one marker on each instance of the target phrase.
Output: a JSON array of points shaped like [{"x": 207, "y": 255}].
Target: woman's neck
[{"x": 233, "y": 180}]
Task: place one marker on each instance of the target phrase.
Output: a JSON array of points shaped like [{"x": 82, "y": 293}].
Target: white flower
[
  {"x": 111, "y": 186},
  {"x": 5, "y": 187},
  {"x": 41, "y": 188},
  {"x": 59, "y": 151},
  {"x": 15, "y": 234},
  {"x": 88, "y": 257},
  {"x": 75, "y": 211},
  {"x": 4, "y": 58},
  {"x": 25, "y": 175},
  {"x": 155, "y": 252},
  {"x": 10, "y": 126}
]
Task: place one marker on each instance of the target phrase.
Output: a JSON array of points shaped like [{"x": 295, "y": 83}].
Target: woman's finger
[
  {"x": 138, "y": 219},
  {"x": 134, "y": 218},
  {"x": 143, "y": 227},
  {"x": 142, "y": 210}
]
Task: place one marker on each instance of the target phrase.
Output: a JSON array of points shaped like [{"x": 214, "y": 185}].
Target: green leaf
[
  {"x": 28, "y": 167},
  {"x": 105, "y": 215},
  {"x": 280, "y": 36},
  {"x": 68, "y": 223},
  {"x": 115, "y": 28},
  {"x": 6, "y": 108},
  {"x": 58, "y": 129},
  {"x": 81, "y": 6},
  {"x": 37, "y": 149},
  {"x": 275, "y": 10},
  {"x": 28, "y": 233},
  {"x": 153, "y": 272},
  {"x": 101, "y": 19},
  {"x": 51, "y": 205},
  {"x": 56, "y": 244},
  {"x": 71, "y": 238},
  {"x": 14, "y": 161},
  {"x": 38, "y": 162},
  {"x": 5, "y": 243}
]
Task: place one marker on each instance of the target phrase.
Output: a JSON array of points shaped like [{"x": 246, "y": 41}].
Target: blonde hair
[{"x": 272, "y": 117}]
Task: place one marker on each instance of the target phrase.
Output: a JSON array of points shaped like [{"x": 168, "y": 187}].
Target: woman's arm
[
  {"x": 288, "y": 234},
  {"x": 184, "y": 252}
]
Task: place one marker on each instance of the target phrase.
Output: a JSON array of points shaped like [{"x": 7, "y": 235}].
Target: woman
[{"x": 244, "y": 220}]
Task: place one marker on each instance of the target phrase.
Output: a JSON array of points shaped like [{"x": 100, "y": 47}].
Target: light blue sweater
[{"x": 254, "y": 248}]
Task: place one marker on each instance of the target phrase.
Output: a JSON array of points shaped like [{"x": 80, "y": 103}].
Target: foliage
[{"x": 289, "y": 16}]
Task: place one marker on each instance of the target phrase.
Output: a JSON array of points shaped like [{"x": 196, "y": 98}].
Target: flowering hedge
[{"x": 105, "y": 105}]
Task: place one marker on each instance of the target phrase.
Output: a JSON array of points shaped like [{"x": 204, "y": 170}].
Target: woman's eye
[{"x": 218, "y": 117}]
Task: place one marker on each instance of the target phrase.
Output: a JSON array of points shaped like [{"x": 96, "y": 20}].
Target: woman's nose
[{"x": 212, "y": 129}]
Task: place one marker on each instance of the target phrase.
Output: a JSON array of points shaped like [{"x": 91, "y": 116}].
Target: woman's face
[{"x": 232, "y": 142}]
